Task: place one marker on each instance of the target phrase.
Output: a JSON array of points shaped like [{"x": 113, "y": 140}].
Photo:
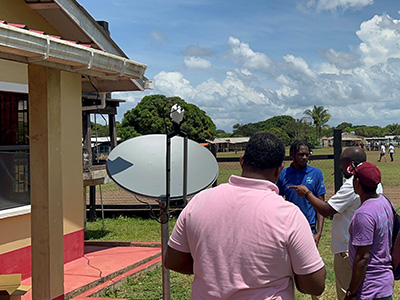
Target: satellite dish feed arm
[{"x": 176, "y": 131}]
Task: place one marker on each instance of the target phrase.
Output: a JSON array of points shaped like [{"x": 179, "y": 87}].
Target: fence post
[
  {"x": 337, "y": 150},
  {"x": 213, "y": 150}
]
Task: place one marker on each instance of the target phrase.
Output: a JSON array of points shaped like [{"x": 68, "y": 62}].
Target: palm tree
[{"x": 320, "y": 117}]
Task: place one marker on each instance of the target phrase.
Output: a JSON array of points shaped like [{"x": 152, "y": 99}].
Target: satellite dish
[{"x": 139, "y": 165}]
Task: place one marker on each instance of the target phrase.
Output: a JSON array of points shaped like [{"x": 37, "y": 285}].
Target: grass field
[
  {"x": 389, "y": 170},
  {"x": 149, "y": 285}
]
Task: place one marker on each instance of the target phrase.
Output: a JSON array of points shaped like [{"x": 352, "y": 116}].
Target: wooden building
[{"x": 51, "y": 52}]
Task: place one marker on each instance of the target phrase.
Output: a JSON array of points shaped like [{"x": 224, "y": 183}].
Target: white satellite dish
[{"x": 139, "y": 165}]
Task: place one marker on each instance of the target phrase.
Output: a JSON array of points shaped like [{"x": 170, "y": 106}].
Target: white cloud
[
  {"x": 299, "y": 65},
  {"x": 231, "y": 99},
  {"x": 328, "y": 68},
  {"x": 360, "y": 87},
  {"x": 242, "y": 54},
  {"x": 286, "y": 92},
  {"x": 342, "y": 60},
  {"x": 334, "y": 5},
  {"x": 127, "y": 96},
  {"x": 197, "y": 51},
  {"x": 380, "y": 39},
  {"x": 196, "y": 63},
  {"x": 173, "y": 84},
  {"x": 158, "y": 36}
]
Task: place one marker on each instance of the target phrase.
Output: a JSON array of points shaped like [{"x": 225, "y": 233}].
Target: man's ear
[
  {"x": 241, "y": 160},
  {"x": 279, "y": 170},
  {"x": 356, "y": 182}
]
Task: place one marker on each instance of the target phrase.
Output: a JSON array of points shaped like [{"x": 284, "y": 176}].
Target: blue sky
[{"x": 247, "y": 61}]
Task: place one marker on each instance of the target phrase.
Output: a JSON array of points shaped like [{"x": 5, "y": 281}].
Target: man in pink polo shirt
[{"x": 241, "y": 240}]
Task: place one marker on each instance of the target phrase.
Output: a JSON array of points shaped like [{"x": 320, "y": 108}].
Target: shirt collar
[
  {"x": 304, "y": 170},
  {"x": 258, "y": 184}
]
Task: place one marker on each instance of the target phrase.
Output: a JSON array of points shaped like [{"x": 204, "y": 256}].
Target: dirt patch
[{"x": 393, "y": 194}]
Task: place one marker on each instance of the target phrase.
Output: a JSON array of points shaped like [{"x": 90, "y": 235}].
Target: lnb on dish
[{"x": 176, "y": 114}]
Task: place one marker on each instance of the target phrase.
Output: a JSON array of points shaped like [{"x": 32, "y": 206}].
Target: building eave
[
  {"x": 112, "y": 72},
  {"x": 73, "y": 22}
]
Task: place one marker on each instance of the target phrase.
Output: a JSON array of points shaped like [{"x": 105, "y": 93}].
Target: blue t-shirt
[{"x": 310, "y": 177}]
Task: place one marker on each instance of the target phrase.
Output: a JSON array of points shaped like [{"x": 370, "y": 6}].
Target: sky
[{"x": 247, "y": 61}]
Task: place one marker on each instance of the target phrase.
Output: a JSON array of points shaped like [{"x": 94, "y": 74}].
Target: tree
[
  {"x": 368, "y": 131},
  {"x": 251, "y": 129},
  {"x": 151, "y": 116},
  {"x": 247, "y": 130},
  {"x": 281, "y": 134},
  {"x": 392, "y": 129},
  {"x": 276, "y": 122},
  {"x": 222, "y": 134},
  {"x": 298, "y": 129},
  {"x": 320, "y": 117},
  {"x": 344, "y": 125},
  {"x": 102, "y": 130}
]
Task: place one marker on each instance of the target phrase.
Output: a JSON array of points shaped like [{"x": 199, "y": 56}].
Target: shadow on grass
[{"x": 95, "y": 234}]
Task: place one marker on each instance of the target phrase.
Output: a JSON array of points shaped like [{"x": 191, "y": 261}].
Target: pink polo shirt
[{"x": 246, "y": 241}]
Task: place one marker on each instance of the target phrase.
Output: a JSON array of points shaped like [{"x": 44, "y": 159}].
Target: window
[{"x": 14, "y": 150}]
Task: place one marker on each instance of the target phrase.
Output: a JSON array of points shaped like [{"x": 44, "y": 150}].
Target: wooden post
[
  {"x": 113, "y": 131},
  {"x": 87, "y": 146},
  {"x": 46, "y": 183}
]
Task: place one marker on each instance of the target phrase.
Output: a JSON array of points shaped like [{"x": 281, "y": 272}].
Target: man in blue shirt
[{"x": 299, "y": 172}]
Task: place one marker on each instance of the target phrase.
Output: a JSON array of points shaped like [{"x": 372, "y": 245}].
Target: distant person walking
[
  {"x": 382, "y": 153},
  {"x": 370, "y": 238},
  {"x": 241, "y": 240},
  {"x": 391, "y": 151}
]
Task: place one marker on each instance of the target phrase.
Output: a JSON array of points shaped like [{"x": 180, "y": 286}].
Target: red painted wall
[{"x": 19, "y": 261}]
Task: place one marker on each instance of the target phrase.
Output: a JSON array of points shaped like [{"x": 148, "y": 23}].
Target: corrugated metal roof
[
  {"x": 23, "y": 26},
  {"x": 113, "y": 72},
  {"x": 73, "y": 22},
  {"x": 230, "y": 140}
]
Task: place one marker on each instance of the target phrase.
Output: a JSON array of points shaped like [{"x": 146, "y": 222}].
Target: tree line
[{"x": 151, "y": 116}]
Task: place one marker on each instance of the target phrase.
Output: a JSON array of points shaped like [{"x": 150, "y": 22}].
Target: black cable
[
  {"x": 152, "y": 213},
  {"x": 88, "y": 262}
]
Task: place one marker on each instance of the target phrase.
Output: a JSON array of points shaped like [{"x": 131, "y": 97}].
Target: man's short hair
[
  {"x": 294, "y": 148},
  {"x": 264, "y": 151}
]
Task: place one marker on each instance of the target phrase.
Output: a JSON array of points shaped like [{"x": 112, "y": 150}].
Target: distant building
[
  {"x": 348, "y": 140},
  {"x": 101, "y": 147},
  {"x": 230, "y": 144}
]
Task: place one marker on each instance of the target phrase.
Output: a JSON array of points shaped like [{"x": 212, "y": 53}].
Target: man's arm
[
  {"x": 178, "y": 261},
  {"x": 320, "y": 222},
  {"x": 322, "y": 207},
  {"x": 313, "y": 283},
  {"x": 359, "y": 268}
]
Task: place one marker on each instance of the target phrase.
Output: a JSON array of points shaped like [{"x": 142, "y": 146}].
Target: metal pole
[
  {"x": 337, "y": 151},
  {"x": 102, "y": 207},
  {"x": 185, "y": 167},
  {"x": 92, "y": 203},
  {"x": 166, "y": 280}
]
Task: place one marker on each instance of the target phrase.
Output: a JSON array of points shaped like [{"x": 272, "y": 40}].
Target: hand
[
  {"x": 301, "y": 190},
  {"x": 317, "y": 237},
  {"x": 348, "y": 298}
]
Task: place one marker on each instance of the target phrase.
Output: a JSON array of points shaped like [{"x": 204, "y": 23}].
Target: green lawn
[
  {"x": 389, "y": 170},
  {"x": 149, "y": 285}
]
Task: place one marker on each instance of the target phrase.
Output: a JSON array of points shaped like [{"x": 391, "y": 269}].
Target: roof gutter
[{"x": 30, "y": 47}]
